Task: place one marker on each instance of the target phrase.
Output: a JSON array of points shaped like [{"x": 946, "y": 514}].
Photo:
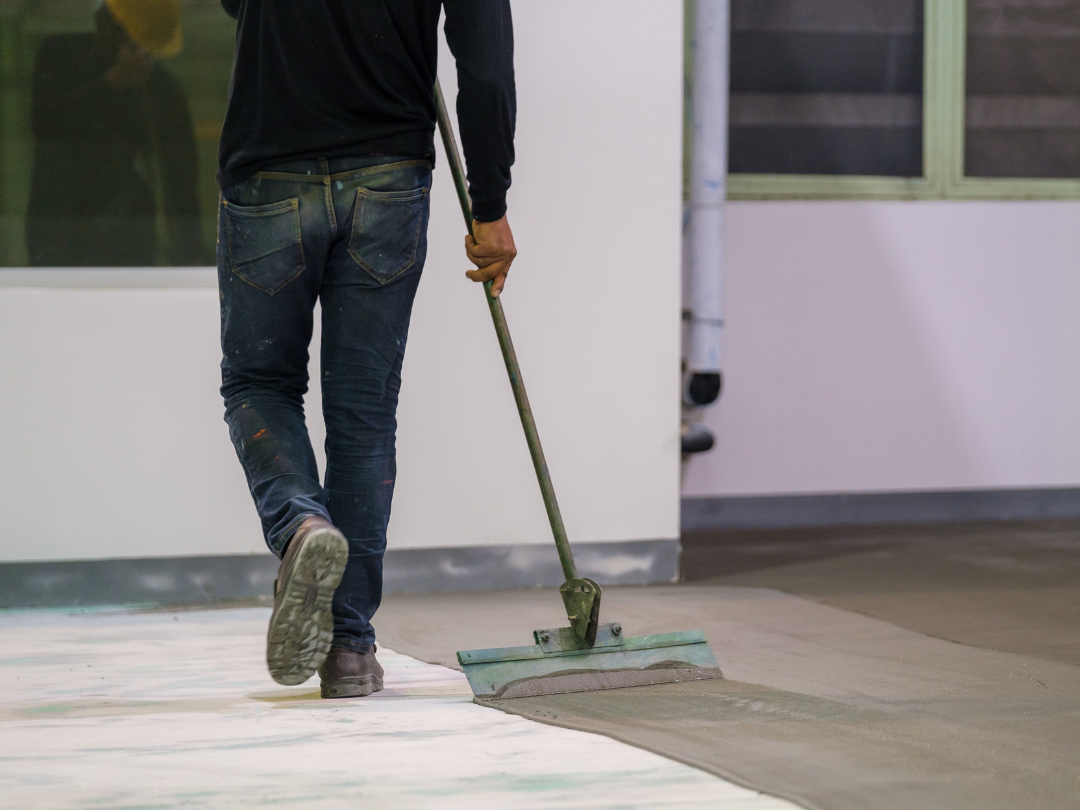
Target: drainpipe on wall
[{"x": 703, "y": 230}]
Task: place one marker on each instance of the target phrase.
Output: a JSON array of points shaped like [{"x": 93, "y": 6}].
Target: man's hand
[{"x": 491, "y": 248}]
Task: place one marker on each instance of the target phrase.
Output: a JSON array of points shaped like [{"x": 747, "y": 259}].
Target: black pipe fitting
[{"x": 703, "y": 389}]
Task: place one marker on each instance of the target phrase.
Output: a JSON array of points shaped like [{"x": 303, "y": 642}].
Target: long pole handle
[{"x": 509, "y": 357}]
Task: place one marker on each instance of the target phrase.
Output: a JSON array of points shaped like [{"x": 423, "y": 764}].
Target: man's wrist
[{"x": 489, "y": 210}]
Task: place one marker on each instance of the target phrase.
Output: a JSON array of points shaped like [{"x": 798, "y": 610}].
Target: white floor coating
[{"x": 112, "y": 709}]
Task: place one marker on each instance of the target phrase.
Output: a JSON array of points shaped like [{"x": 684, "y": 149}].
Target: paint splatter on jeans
[{"x": 350, "y": 233}]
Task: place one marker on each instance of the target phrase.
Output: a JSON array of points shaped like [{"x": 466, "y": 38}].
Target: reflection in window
[
  {"x": 826, "y": 87},
  {"x": 109, "y": 135},
  {"x": 1023, "y": 88}
]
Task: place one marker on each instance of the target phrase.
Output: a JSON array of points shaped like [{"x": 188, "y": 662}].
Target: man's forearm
[{"x": 480, "y": 34}]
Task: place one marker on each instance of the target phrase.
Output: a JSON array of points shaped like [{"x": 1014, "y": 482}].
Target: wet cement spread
[{"x": 824, "y": 705}]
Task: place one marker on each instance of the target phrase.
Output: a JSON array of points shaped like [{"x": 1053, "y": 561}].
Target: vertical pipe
[{"x": 707, "y": 192}]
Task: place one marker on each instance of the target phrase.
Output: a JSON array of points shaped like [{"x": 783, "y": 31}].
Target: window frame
[{"x": 944, "y": 73}]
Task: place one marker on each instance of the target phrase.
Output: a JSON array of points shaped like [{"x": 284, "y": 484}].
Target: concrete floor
[
  {"x": 904, "y": 668},
  {"x": 919, "y": 668},
  {"x": 163, "y": 709}
]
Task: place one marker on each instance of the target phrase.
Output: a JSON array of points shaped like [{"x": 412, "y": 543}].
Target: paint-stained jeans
[{"x": 352, "y": 234}]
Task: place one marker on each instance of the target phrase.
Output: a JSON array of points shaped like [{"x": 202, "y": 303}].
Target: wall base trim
[
  {"x": 879, "y": 508},
  {"x": 211, "y": 578}
]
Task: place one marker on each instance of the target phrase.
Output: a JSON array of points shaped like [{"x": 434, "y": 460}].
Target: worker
[
  {"x": 114, "y": 145},
  {"x": 325, "y": 169}
]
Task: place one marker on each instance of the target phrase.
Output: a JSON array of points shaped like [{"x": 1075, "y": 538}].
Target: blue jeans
[{"x": 352, "y": 234}]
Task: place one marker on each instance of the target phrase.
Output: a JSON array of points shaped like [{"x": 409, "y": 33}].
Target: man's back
[{"x": 334, "y": 78}]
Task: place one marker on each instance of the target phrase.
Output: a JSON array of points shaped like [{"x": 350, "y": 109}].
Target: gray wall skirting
[
  {"x": 635, "y": 562},
  {"x": 139, "y": 580},
  {"x": 879, "y": 508},
  {"x": 206, "y": 579}
]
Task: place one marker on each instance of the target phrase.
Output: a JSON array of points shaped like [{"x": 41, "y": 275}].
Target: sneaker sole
[
  {"x": 302, "y": 625},
  {"x": 357, "y": 686}
]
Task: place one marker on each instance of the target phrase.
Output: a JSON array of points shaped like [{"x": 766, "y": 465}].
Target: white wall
[
  {"x": 898, "y": 346},
  {"x": 869, "y": 346},
  {"x": 111, "y": 439}
]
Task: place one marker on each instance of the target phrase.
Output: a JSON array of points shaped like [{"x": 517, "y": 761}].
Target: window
[
  {"x": 1022, "y": 115},
  {"x": 826, "y": 87},
  {"x": 905, "y": 99},
  {"x": 108, "y": 159}
]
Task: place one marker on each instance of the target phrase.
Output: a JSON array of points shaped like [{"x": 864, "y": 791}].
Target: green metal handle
[{"x": 509, "y": 357}]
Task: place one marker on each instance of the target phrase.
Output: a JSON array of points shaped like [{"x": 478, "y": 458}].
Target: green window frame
[{"x": 945, "y": 45}]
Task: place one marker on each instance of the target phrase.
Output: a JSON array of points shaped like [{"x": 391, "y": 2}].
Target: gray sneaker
[
  {"x": 302, "y": 624},
  {"x": 346, "y": 673}
]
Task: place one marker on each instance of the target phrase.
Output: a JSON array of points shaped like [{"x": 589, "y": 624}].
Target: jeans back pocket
[
  {"x": 387, "y": 231},
  {"x": 265, "y": 249}
]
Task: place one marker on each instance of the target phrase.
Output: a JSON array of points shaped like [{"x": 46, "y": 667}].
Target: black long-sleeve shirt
[{"x": 336, "y": 78}]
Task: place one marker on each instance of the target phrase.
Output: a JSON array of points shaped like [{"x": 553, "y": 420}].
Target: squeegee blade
[{"x": 551, "y": 668}]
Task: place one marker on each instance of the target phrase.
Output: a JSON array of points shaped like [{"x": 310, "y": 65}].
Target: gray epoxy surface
[{"x": 822, "y": 705}]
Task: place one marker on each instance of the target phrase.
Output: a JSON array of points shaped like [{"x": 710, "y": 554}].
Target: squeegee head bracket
[
  {"x": 563, "y": 639},
  {"x": 581, "y": 597}
]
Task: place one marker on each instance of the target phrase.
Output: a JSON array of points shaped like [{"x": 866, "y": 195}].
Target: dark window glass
[
  {"x": 1023, "y": 88},
  {"x": 826, "y": 87},
  {"x": 108, "y": 143}
]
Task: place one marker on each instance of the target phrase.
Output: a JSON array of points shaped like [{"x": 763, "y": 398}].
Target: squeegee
[{"x": 586, "y": 655}]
